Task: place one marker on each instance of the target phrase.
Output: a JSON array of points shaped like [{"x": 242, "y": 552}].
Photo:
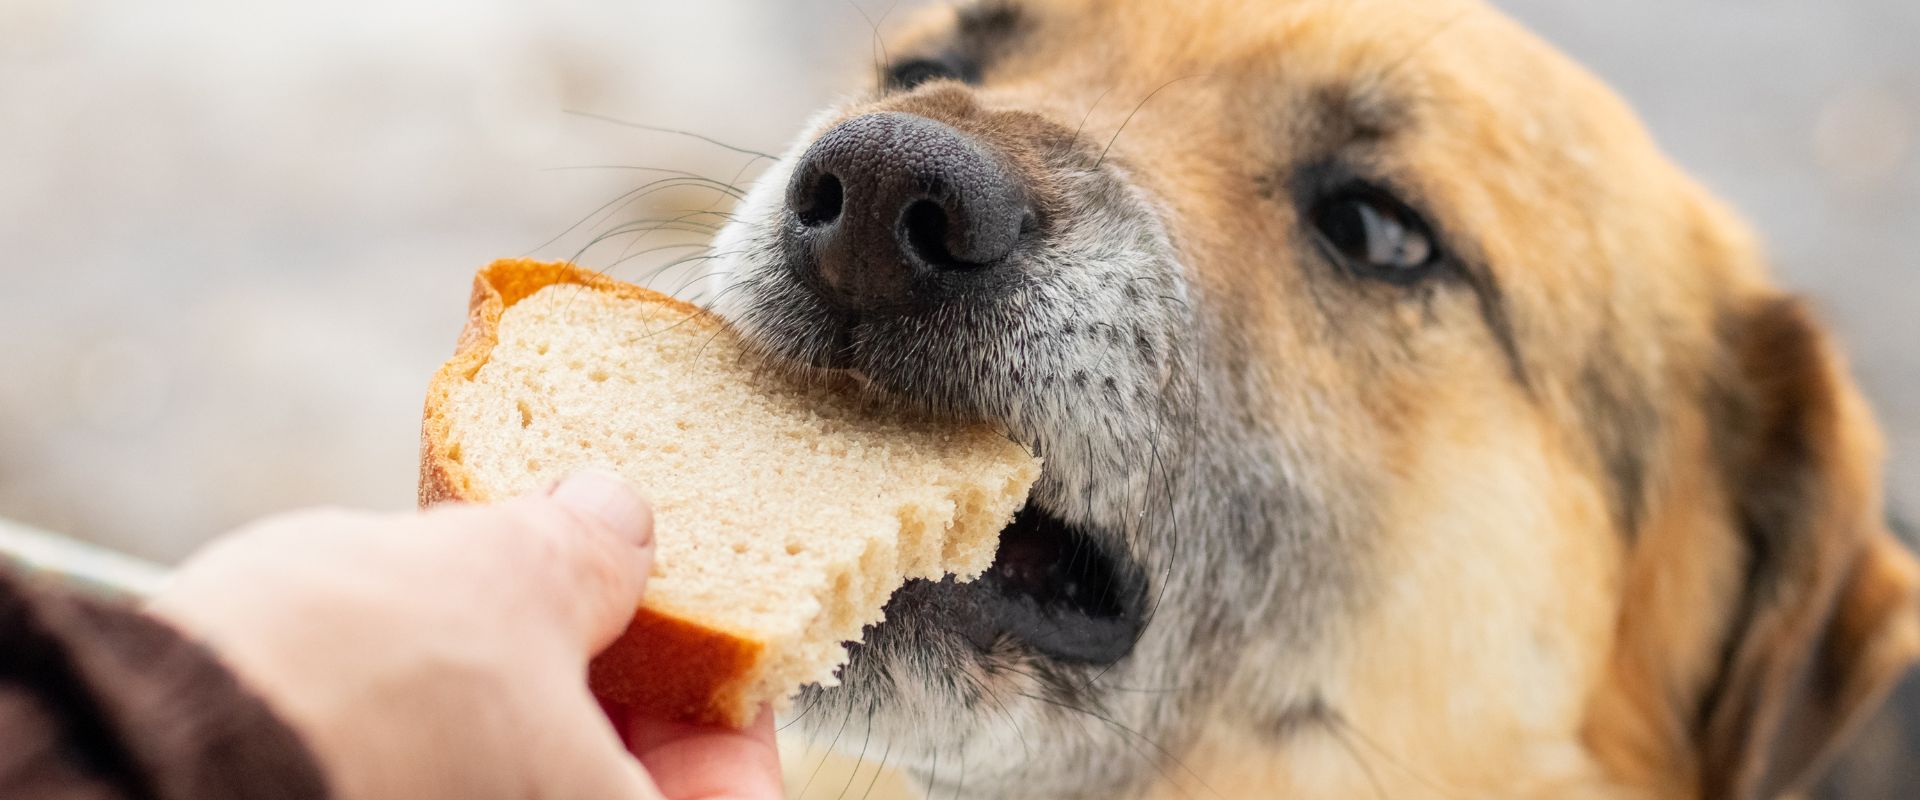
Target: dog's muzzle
[{"x": 891, "y": 220}]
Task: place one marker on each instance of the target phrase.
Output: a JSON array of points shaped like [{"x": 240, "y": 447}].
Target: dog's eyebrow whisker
[
  {"x": 1090, "y": 109},
  {"x": 641, "y": 126},
  {"x": 1136, "y": 109},
  {"x": 877, "y": 45},
  {"x": 1426, "y": 41}
]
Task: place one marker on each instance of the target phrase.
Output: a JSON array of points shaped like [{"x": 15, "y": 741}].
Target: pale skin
[{"x": 443, "y": 654}]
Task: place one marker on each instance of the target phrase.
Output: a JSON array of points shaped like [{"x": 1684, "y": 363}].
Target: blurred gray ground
[{"x": 235, "y": 236}]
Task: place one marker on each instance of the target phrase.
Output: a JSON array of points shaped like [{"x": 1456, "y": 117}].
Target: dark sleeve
[{"x": 100, "y": 701}]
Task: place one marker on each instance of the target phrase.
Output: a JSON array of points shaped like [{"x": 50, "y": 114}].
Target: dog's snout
[{"x": 897, "y": 211}]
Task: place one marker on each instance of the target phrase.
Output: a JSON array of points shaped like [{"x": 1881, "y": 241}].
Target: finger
[
  {"x": 601, "y": 531},
  {"x": 592, "y": 763},
  {"x": 709, "y": 762}
]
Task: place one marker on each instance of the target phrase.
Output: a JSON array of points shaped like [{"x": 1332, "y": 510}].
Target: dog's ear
[{"x": 1829, "y": 620}]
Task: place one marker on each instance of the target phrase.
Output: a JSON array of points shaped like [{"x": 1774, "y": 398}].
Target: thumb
[{"x": 602, "y": 532}]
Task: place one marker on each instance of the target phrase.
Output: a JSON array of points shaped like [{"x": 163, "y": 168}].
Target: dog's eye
[
  {"x": 1374, "y": 234},
  {"x": 909, "y": 74}
]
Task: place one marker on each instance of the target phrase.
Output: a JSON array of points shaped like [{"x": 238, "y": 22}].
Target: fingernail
[{"x": 610, "y": 499}]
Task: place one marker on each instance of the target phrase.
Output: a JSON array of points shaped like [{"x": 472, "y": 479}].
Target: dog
[{"x": 1411, "y": 426}]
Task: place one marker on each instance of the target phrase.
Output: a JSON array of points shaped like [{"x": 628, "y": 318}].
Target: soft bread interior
[{"x": 785, "y": 512}]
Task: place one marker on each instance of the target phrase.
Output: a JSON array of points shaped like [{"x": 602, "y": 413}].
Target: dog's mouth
[{"x": 1054, "y": 590}]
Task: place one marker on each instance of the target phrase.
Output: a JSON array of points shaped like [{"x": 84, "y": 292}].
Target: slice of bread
[{"x": 786, "y": 511}]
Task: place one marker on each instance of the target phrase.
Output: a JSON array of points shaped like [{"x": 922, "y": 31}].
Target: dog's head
[{"x": 1411, "y": 426}]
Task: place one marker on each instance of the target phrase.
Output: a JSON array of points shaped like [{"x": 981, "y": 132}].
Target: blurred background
[{"x": 235, "y": 237}]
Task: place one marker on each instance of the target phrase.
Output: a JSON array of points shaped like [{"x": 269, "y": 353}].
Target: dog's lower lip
[
  {"x": 838, "y": 354},
  {"x": 1053, "y": 589}
]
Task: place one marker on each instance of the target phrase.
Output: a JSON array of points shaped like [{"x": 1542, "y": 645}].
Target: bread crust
[{"x": 664, "y": 665}]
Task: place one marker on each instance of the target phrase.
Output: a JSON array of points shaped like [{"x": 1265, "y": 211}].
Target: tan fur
[{"x": 1513, "y": 637}]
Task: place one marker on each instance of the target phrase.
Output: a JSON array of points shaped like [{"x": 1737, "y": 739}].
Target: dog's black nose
[{"x": 898, "y": 211}]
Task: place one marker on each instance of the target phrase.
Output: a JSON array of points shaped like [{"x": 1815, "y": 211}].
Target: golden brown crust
[{"x": 664, "y": 665}]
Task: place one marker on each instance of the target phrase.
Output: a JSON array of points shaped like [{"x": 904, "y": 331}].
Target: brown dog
[{"x": 1413, "y": 428}]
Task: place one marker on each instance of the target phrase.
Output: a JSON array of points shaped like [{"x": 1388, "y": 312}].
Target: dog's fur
[{"x": 1592, "y": 512}]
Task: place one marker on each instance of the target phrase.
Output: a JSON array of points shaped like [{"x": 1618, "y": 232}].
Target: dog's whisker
[
  {"x": 697, "y": 313},
  {"x": 1154, "y": 463},
  {"x": 687, "y": 219},
  {"x": 1129, "y": 735},
  {"x": 1129, "y": 118},
  {"x": 612, "y": 120},
  {"x": 933, "y": 772},
  {"x": 660, "y": 248},
  {"x": 1090, "y": 109},
  {"x": 610, "y": 267},
  {"x": 1109, "y": 687},
  {"x": 861, "y": 759},
  {"x": 880, "y": 769},
  {"x": 811, "y": 702},
  {"x": 1432, "y": 36},
  {"x": 734, "y": 182},
  {"x": 876, "y": 47},
  {"x": 985, "y": 690},
  {"x": 688, "y": 283},
  {"x": 627, "y": 252},
  {"x": 960, "y": 786},
  {"x": 648, "y": 225},
  {"x": 625, "y": 199},
  {"x": 1373, "y": 778},
  {"x": 826, "y": 756},
  {"x": 603, "y": 211},
  {"x": 1345, "y": 727},
  {"x": 659, "y": 271}
]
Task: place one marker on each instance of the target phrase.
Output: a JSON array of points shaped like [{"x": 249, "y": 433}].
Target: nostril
[
  {"x": 821, "y": 205},
  {"x": 926, "y": 235}
]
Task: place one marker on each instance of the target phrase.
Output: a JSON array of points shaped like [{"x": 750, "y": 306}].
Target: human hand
[{"x": 443, "y": 654}]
